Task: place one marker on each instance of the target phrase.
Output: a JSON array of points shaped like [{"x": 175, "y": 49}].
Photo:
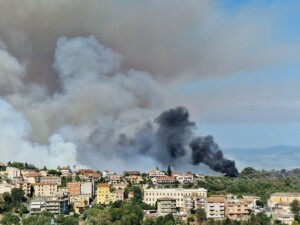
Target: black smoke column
[
  {"x": 205, "y": 150},
  {"x": 175, "y": 131}
]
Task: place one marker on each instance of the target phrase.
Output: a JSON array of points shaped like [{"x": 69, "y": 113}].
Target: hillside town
[{"x": 67, "y": 191}]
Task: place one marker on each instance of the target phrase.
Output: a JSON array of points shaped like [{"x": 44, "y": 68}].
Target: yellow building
[
  {"x": 281, "y": 198},
  {"x": 80, "y": 205},
  {"x": 45, "y": 189},
  {"x": 103, "y": 194}
]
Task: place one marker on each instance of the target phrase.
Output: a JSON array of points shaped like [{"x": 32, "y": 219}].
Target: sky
[{"x": 81, "y": 79}]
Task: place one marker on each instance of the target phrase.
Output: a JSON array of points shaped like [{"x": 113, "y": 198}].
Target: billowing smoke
[
  {"x": 174, "y": 131},
  {"x": 175, "y": 136},
  {"x": 101, "y": 115},
  {"x": 205, "y": 150}
]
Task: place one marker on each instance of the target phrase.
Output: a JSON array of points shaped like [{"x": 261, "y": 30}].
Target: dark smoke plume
[
  {"x": 175, "y": 135},
  {"x": 174, "y": 130},
  {"x": 205, "y": 150}
]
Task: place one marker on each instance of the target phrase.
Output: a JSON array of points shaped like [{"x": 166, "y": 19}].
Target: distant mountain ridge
[{"x": 276, "y": 157}]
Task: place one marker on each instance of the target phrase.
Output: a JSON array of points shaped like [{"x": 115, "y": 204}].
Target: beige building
[
  {"x": 166, "y": 206},
  {"x": 45, "y": 189},
  {"x": 117, "y": 195},
  {"x": 185, "y": 178},
  {"x": 215, "y": 207},
  {"x": 133, "y": 179},
  {"x": 194, "y": 202},
  {"x": 156, "y": 173},
  {"x": 14, "y": 174},
  {"x": 151, "y": 195},
  {"x": 51, "y": 179},
  {"x": 165, "y": 180},
  {"x": 285, "y": 216},
  {"x": 5, "y": 187},
  {"x": 115, "y": 179},
  {"x": 32, "y": 177},
  {"x": 238, "y": 209}
]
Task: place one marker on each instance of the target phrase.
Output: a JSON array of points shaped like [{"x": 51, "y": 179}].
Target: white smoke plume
[
  {"x": 97, "y": 103},
  {"x": 11, "y": 71},
  {"x": 14, "y": 143}
]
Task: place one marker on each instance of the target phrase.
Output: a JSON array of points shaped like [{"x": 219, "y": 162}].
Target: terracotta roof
[
  {"x": 32, "y": 175},
  {"x": 103, "y": 185},
  {"x": 216, "y": 199},
  {"x": 45, "y": 183},
  {"x": 165, "y": 178},
  {"x": 132, "y": 172}
]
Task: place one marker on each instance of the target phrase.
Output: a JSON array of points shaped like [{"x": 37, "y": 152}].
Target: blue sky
[{"x": 258, "y": 107}]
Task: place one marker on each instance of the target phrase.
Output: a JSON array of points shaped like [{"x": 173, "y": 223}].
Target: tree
[
  {"x": 200, "y": 215},
  {"x": 169, "y": 171},
  {"x": 37, "y": 220},
  {"x": 17, "y": 195},
  {"x": 96, "y": 216},
  {"x": 54, "y": 172},
  {"x": 248, "y": 172},
  {"x": 297, "y": 218},
  {"x": 260, "y": 203},
  {"x": 295, "y": 206},
  {"x": 10, "y": 219},
  {"x": 70, "y": 220}
]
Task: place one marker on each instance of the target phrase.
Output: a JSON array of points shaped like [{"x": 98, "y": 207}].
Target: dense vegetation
[{"x": 253, "y": 182}]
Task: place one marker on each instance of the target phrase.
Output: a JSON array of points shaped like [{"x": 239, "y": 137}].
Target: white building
[
  {"x": 215, "y": 207},
  {"x": 151, "y": 195},
  {"x": 87, "y": 188},
  {"x": 13, "y": 173},
  {"x": 54, "y": 205},
  {"x": 156, "y": 173},
  {"x": 185, "y": 178}
]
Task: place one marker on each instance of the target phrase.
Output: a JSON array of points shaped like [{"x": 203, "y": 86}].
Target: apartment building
[
  {"x": 14, "y": 174},
  {"x": 156, "y": 173},
  {"x": 54, "y": 205},
  {"x": 277, "y": 199},
  {"x": 194, "y": 202},
  {"x": 166, "y": 206},
  {"x": 32, "y": 177},
  {"x": 133, "y": 179},
  {"x": 103, "y": 193},
  {"x": 87, "y": 188},
  {"x": 74, "y": 188},
  {"x": 79, "y": 205},
  {"x": 117, "y": 195},
  {"x": 115, "y": 179},
  {"x": 165, "y": 180},
  {"x": 215, "y": 207},
  {"x": 92, "y": 177},
  {"x": 185, "y": 178},
  {"x": 51, "y": 179},
  {"x": 238, "y": 209},
  {"x": 65, "y": 171},
  {"x": 151, "y": 195},
  {"x": 119, "y": 186},
  {"x": 45, "y": 189}
]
